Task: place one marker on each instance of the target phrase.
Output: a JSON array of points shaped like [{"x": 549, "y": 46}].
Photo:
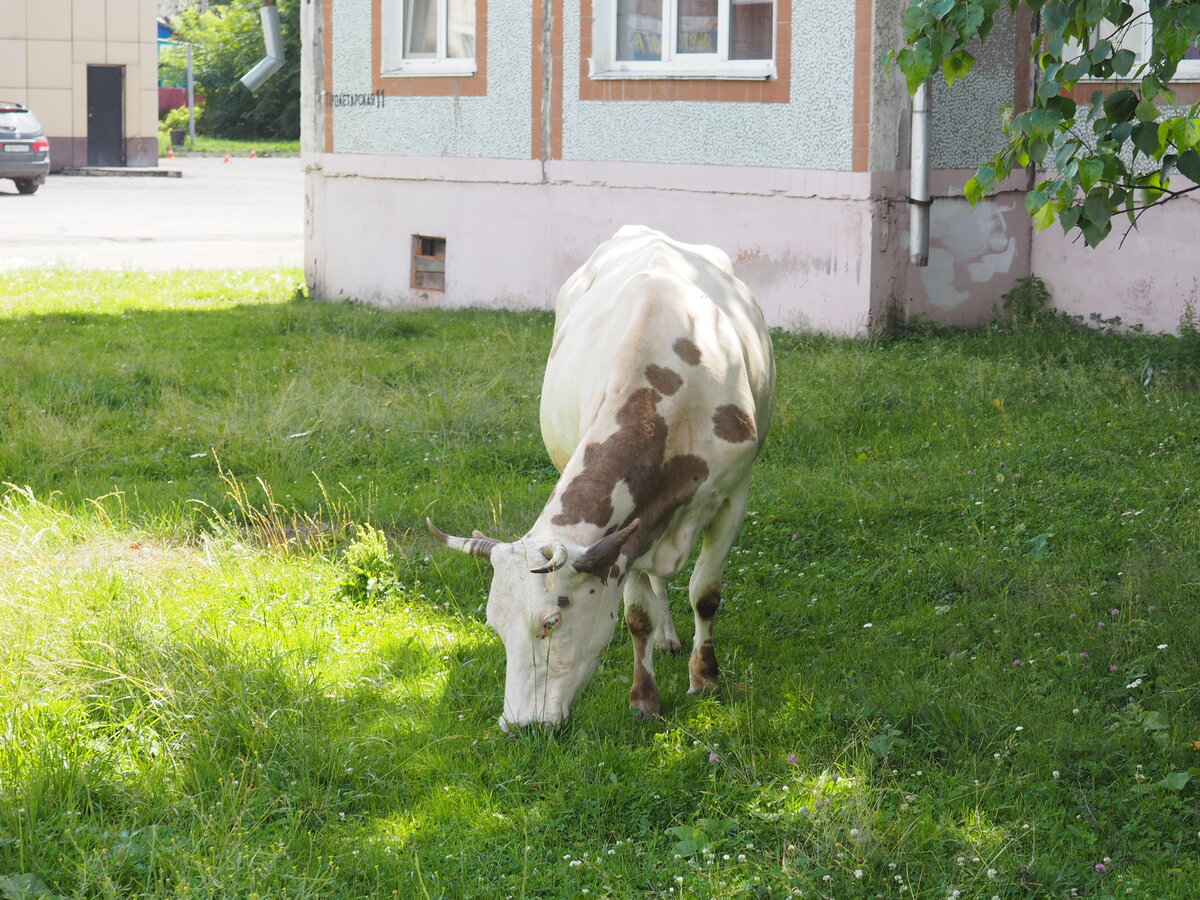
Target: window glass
[
  {"x": 697, "y": 27},
  {"x": 460, "y": 35},
  {"x": 750, "y": 27},
  {"x": 639, "y": 30},
  {"x": 420, "y": 29}
]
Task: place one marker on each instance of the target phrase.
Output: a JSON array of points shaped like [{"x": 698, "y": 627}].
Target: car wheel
[{"x": 27, "y": 185}]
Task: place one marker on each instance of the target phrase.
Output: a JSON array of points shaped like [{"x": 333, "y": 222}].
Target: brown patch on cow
[
  {"x": 666, "y": 381},
  {"x": 686, "y": 350},
  {"x": 733, "y": 424},
  {"x": 634, "y": 454},
  {"x": 703, "y": 664},
  {"x": 564, "y": 602},
  {"x": 706, "y": 606},
  {"x": 643, "y": 694}
]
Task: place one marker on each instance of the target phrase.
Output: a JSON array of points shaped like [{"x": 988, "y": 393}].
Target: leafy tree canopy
[
  {"x": 1116, "y": 152},
  {"x": 227, "y": 41}
]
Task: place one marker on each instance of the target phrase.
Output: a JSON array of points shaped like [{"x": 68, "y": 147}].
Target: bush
[
  {"x": 177, "y": 119},
  {"x": 226, "y": 43}
]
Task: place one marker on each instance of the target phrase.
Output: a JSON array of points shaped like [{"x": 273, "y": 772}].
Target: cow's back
[{"x": 646, "y": 304}]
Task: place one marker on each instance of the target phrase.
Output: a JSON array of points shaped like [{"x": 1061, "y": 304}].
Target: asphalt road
[{"x": 241, "y": 214}]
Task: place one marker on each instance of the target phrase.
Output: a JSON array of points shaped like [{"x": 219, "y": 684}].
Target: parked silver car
[{"x": 24, "y": 150}]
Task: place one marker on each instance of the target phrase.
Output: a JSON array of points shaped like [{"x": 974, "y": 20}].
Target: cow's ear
[{"x": 601, "y": 558}]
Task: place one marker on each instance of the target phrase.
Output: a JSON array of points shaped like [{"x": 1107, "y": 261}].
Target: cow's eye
[{"x": 550, "y": 622}]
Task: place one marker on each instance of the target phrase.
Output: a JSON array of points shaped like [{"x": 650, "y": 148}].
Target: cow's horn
[
  {"x": 599, "y": 558},
  {"x": 476, "y": 546},
  {"x": 557, "y": 554}
]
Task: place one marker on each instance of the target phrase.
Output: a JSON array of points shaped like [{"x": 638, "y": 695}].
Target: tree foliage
[
  {"x": 1117, "y": 152},
  {"x": 227, "y": 41}
]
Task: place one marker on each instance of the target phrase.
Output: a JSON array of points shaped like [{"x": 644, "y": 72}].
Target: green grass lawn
[
  {"x": 960, "y": 650},
  {"x": 215, "y": 146}
]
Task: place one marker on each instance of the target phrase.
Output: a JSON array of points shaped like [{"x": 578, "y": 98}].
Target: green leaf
[
  {"x": 25, "y": 886},
  {"x": 941, "y": 7},
  {"x": 1151, "y": 86},
  {"x": 1044, "y": 121},
  {"x": 1145, "y": 138},
  {"x": 916, "y": 63},
  {"x": 973, "y": 191},
  {"x": 1096, "y": 207},
  {"x": 691, "y": 840},
  {"x": 1146, "y": 111},
  {"x": 1122, "y": 61},
  {"x": 1154, "y": 721},
  {"x": 1094, "y": 234},
  {"x": 1185, "y": 132},
  {"x": 1176, "y": 781},
  {"x": 957, "y": 65},
  {"x": 1189, "y": 166},
  {"x": 1100, "y": 51},
  {"x": 1069, "y": 217},
  {"x": 1120, "y": 106},
  {"x": 1090, "y": 170}
]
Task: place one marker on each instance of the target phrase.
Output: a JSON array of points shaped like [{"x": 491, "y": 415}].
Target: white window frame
[
  {"x": 605, "y": 65},
  {"x": 1141, "y": 45},
  {"x": 394, "y": 63}
]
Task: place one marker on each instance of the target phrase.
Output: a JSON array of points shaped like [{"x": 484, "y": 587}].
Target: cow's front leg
[
  {"x": 640, "y": 608},
  {"x": 665, "y": 637},
  {"x": 705, "y": 588}
]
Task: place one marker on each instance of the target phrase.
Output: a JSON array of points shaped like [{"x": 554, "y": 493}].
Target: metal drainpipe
[
  {"x": 273, "y": 37},
  {"x": 919, "y": 201}
]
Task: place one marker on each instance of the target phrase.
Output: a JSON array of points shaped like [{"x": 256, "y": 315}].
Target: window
[
  {"x": 684, "y": 39},
  {"x": 1136, "y": 35},
  {"x": 428, "y": 37},
  {"x": 429, "y": 263}
]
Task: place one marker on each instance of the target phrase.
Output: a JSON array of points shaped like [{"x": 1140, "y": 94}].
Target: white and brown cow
[{"x": 657, "y": 397}]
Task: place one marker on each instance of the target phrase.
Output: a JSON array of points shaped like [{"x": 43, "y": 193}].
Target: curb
[{"x": 123, "y": 171}]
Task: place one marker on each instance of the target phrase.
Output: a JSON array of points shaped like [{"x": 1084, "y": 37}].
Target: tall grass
[{"x": 959, "y": 646}]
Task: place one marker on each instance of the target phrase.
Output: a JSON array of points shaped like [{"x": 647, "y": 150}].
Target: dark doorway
[{"x": 106, "y": 115}]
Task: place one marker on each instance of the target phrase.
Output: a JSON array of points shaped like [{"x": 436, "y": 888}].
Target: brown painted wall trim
[
  {"x": 767, "y": 90},
  {"x": 863, "y": 70},
  {"x": 424, "y": 85},
  {"x": 537, "y": 82},
  {"x": 1022, "y": 72},
  {"x": 1186, "y": 92}
]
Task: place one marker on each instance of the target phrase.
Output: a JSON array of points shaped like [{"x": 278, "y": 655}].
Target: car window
[{"x": 21, "y": 122}]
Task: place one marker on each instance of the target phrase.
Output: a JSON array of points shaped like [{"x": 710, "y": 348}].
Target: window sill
[
  {"x": 431, "y": 70},
  {"x": 757, "y": 71}
]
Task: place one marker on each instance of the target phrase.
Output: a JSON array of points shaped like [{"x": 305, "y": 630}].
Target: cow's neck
[{"x": 621, "y": 471}]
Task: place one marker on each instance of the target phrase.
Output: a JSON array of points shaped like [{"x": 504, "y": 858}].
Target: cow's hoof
[
  {"x": 669, "y": 645},
  {"x": 644, "y": 711},
  {"x": 704, "y": 686}
]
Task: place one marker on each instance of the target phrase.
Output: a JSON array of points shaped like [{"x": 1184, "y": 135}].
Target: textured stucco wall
[
  {"x": 813, "y": 131},
  {"x": 966, "y": 123},
  {"x": 496, "y": 126}
]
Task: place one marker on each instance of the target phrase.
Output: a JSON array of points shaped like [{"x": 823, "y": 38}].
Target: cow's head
[{"x": 555, "y": 607}]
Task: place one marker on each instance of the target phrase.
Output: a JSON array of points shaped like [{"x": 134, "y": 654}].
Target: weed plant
[{"x": 959, "y": 641}]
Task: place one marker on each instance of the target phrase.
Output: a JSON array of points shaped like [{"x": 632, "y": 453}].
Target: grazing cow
[{"x": 657, "y": 397}]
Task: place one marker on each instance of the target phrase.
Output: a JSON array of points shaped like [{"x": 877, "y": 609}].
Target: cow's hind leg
[
  {"x": 641, "y": 608},
  {"x": 665, "y": 637},
  {"x": 705, "y": 588}
]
